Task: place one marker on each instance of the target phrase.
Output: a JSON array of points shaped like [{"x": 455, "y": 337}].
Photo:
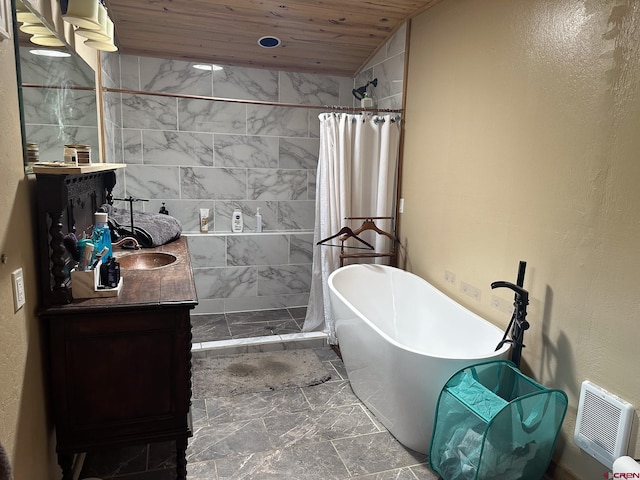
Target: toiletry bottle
[
  {"x": 102, "y": 235},
  {"x": 366, "y": 101},
  {"x": 258, "y": 220},
  {"x": 163, "y": 210},
  {"x": 204, "y": 220},
  {"x": 237, "y": 223},
  {"x": 85, "y": 246}
]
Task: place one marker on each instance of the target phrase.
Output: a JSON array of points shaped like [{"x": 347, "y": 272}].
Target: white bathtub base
[{"x": 401, "y": 383}]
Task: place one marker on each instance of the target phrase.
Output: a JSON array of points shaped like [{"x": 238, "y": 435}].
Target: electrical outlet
[
  {"x": 450, "y": 277},
  {"x": 470, "y": 290},
  {"x": 501, "y": 304},
  {"x": 17, "y": 280}
]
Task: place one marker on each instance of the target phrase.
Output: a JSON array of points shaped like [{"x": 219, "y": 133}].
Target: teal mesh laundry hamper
[{"x": 492, "y": 422}]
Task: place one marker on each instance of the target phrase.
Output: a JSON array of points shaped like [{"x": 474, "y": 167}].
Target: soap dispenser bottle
[
  {"x": 237, "y": 222},
  {"x": 102, "y": 235}
]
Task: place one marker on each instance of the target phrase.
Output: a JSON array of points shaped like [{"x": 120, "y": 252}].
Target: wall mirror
[{"x": 56, "y": 89}]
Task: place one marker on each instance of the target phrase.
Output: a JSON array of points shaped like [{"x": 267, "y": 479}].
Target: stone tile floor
[{"x": 321, "y": 432}]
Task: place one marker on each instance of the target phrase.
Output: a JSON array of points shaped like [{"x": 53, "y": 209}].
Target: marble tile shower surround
[
  {"x": 55, "y": 117},
  {"x": 195, "y": 153},
  {"x": 387, "y": 65}
]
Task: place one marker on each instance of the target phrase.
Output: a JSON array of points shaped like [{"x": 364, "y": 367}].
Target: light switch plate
[{"x": 17, "y": 280}]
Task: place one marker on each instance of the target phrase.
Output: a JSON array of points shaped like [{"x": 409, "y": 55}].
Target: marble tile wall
[
  {"x": 194, "y": 153},
  {"x": 55, "y": 117},
  {"x": 388, "y": 67}
]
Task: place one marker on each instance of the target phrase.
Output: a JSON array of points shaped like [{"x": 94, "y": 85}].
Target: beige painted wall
[
  {"x": 24, "y": 429},
  {"x": 523, "y": 143}
]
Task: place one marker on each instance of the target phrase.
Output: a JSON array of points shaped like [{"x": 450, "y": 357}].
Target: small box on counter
[{"x": 87, "y": 284}]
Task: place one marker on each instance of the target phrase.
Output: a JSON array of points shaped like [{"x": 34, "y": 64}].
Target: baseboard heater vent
[{"x": 603, "y": 424}]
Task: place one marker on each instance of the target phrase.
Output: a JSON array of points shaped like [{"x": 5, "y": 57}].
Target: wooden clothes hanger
[
  {"x": 346, "y": 233},
  {"x": 369, "y": 224}
]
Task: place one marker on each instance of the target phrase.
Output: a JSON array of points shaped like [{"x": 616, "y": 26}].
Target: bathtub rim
[{"x": 503, "y": 350}]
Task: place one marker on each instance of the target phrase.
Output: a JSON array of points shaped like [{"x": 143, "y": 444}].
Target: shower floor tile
[
  {"x": 228, "y": 326},
  {"x": 259, "y": 316},
  {"x": 210, "y": 326},
  {"x": 260, "y": 329},
  {"x": 298, "y": 313}
]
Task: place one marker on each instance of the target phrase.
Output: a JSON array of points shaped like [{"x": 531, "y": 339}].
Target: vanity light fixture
[
  {"x": 26, "y": 16},
  {"x": 106, "y": 45},
  {"x": 101, "y": 38},
  {"x": 32, "y": 25},
  {"x": 35, "y": 28},
  {"x": 47, "y": 40},
  {"x": 89, "y": 18},
  {"x": 100, "y": 34},
  {"x": 83, "y": 14}
]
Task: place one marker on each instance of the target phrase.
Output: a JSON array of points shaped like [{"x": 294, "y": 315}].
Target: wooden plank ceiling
[{"x": 335, "y": 37}]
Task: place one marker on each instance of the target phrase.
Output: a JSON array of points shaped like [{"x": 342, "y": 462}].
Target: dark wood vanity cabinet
[
  {"x": 120, "y": 367},
  {"x": 120, "y": 378},
  {"x": 125, "y": 375}
]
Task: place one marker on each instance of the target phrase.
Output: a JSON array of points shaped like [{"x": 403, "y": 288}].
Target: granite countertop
[{"x": 171, "y": 285}]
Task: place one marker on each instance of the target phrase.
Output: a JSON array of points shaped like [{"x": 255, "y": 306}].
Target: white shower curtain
[{"x": 357, "y": 170}]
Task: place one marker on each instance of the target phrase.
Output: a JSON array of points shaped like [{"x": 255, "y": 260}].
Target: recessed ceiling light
[
  {"x": 49, "y": 53},
  {"x": 269, "y": 42},
  {"x": 210, "y": 67}
]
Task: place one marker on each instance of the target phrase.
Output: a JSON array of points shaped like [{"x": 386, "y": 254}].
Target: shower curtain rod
[
  {"x": 59, "y": 87},
  {"x": 251, "y": 102},
  {"x": 332, "y": 108}
]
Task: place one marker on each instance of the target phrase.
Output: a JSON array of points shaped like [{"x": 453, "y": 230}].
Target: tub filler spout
[
  {"x": 522, "y": 296},
  {"x": 518, "y": 323}
]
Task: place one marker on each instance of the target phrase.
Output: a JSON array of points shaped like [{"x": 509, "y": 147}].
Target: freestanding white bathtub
[{"x": 401, "y": 339}]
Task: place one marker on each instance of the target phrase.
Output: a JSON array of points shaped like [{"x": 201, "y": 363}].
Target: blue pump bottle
[{"x": 102, "y": 235}]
